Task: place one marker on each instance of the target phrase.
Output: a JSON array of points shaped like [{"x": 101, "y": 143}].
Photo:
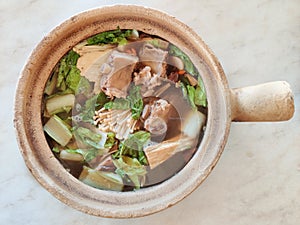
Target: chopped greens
[
  {"x": 67, "y": 66},
  {"x": 188, "y": 65},
  {"x": 200, "y": 94},
  {"x": 110, "y": 140},
  {"x": 133, "y": 101},
  {"x": 88, "y": 110},
  {"x": 130, "y": 167},
  {"x": 136, "y": 102},
  {"x": 133, "y": 146},
  {"x": 191, "y": 95},
  {"x": 87, "y": 154},
  {"x": 87, "y": 137},
  {"x": 117, "y": 36},
  {"x": 101, "y": 179}
]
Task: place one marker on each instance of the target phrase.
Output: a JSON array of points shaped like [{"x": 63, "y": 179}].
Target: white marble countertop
[{"x": 257, "y": 179}]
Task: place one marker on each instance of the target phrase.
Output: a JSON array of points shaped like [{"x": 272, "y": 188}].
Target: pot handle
[{"x": 272, "y": 101}]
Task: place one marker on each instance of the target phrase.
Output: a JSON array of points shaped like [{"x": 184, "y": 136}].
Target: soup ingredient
[
  {"x": 193, "y": 123},
  {"x": 177, "y": 62},
  {"x": 133, "y": 146},
  {"x": 200, "y": 94},
  {"x": 160, "y": 152},
  {"x": 116, "y": 74},
  {"x": 117, "y": 36},
  {"x": 154, "y": 58},
  {"x": 67, "y": 66},
  {"x": 133, "y": 101},
  {"x": 101, "y": 180},
  {"x": 57, "y": 129},
  {"x": 71, "y": 155},
  {"x": 87, "y": 111},
  {"x": 117, "y": 121},
  {"x": 89, "y": 138},
  {"x": 131, "y": 167},
  {"x": 188, "y": 65},
  {"x": 147, "y": 80},
  {"x": 156, "y": 121},
  {"x": 60, "y": 103}
]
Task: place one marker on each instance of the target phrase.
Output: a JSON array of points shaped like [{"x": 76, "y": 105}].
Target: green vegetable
[
  {"x": 86, "y": 154},
  {"x": 83, "y": 86},
  {"x": 101, "y": 100},
  {"x": 70, "y": 155},
  {"x": 159, "y": 43},
  {"x": 56, "y": 149},
  {"x": 88, "y": 110},
  {"x": 133, "y": 146},
  {"x": 188, "y": 65},
  {"x": 184, "y": 90},
  {"x": 60, "y": 103},
  {"x": 118, "y": 103},
  {"x": 101, "y": 180},
  {"x": 134, "y": 101},
  {"x": 67, "y": 65},
  {"x": 88, "y": 137},
  {"x": 191, "y": 95},
  {"x": 117, "y": 36},
  {"x": 58, "y": 130},
  {"x": 130, "y": 167},
  {"x": 110, "y": 140},
  {"x": 200, "y": 94},
  {"x": 73, "y": 78},
  {"x": 51, "y": 83}
]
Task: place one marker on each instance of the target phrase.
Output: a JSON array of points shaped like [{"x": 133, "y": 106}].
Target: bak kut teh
[{"x": 124, "y": 110}]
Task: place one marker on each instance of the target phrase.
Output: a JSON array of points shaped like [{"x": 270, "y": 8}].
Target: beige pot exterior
[{"x": 47, "y": 169}]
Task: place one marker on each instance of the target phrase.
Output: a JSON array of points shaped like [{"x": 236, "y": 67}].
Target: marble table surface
[{"x": 257, "y": 179}]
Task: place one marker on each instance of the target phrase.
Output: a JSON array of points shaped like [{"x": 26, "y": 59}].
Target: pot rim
[{"x": 50, "y": 173}]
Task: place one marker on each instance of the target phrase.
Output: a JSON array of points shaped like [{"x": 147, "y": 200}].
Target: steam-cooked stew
[{"x": 124, "y": 110}]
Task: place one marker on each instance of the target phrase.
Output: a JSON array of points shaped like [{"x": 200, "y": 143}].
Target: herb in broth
[{"x": 122, "y": 115}]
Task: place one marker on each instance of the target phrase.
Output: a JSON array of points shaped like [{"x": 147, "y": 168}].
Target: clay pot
[{"x": 266, "y": 102}]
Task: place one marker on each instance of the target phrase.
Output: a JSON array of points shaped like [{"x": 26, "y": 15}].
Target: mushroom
[
  {"x": 176, "y": 62},
  {"x": 118, "y": 121},
  {"x": 154, "y": 57}
]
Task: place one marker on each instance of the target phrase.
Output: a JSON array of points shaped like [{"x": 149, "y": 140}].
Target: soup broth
[{"x": 124, "y": 110}]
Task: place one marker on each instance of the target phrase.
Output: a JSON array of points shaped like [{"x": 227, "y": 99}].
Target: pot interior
[{"x": 48, "y": 170}]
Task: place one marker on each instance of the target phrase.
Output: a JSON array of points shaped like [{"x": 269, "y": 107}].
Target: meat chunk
[
  {"x": 90, "y": 60},
  {"x": 147, "y": 81},
  {"x": 156, "y": 123},
  {"x": 116, "y": 74},
  {"x": 154, "y": 57}
]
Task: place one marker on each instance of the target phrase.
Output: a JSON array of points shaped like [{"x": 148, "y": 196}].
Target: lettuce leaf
[
  {"x": 200, "y": 94},
  {"x": 134, "y": 101},
  {"x": 117, "y": 36},
  {"x": 188, "y": 65},
  {"x": 130, "y": 167},
  {"x": 90, "y": 106},
  {"x": 110, "y": 140},
  {"x": 67, "y": 63},
  {"x": 133, "y": 147},
  {"x": 88, "y": 137},
  {"x": 88, "y": 154}
]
